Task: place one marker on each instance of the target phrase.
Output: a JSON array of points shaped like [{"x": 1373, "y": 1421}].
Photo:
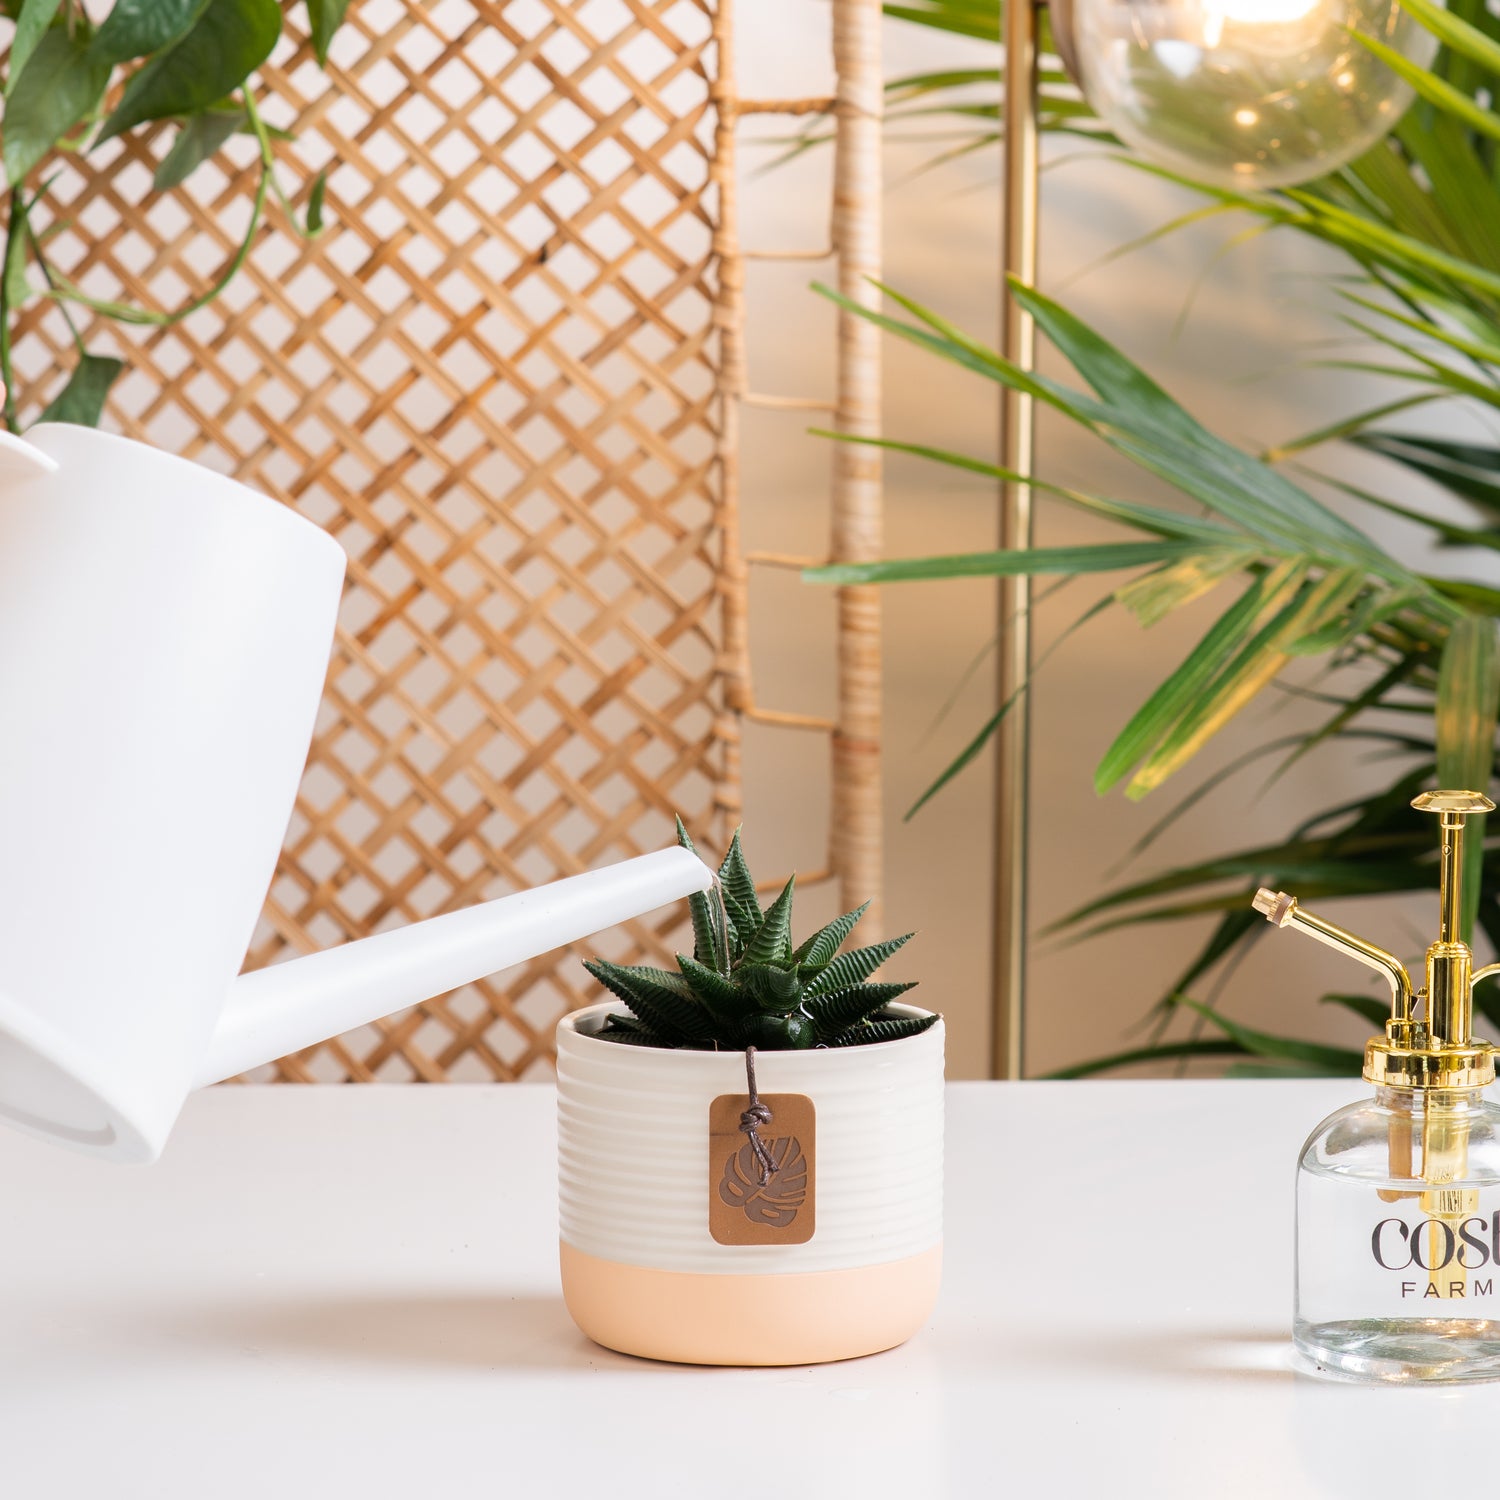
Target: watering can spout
[{"x": 281, "y": 1009}]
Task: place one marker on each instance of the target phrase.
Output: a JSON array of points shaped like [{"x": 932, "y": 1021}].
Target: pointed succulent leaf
[
  {"x": 720, "y": 996},
  {"x": 771, "y": 942},
  {"x": 662, "y": 1000},
  {"x": 823, "y": 944},
  {"x": 712, "y": 944},
  {"x": 633, "y": 1038},
  {"x": 708, "y": 938},
  {"x": 854, "y": 967},
  {"x": 892, "y": 1030},
  {"x": 774, "y": 990},
  {"x": 616, "y": 1022},
  {"x": 618, "y": 1028},
  {"x": 738, "y": 886},
  {"x": 835, "y": 1014}
]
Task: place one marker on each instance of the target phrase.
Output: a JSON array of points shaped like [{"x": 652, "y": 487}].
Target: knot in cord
[{"x": 756, "y": 1115}]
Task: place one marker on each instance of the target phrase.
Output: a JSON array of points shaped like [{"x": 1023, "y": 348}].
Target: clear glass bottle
[
  {"x": 1398, "y": 1197},
  {"x": 1398, "y": 1239}
]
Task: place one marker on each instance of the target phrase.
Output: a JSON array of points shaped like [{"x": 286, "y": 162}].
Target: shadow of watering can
[{"x": 164, "y": 634}]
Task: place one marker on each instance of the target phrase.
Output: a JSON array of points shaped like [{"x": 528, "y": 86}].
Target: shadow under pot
[{"x": 678, "y": 1244}]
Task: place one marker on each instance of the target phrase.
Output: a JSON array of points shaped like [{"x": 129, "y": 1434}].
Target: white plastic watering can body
[{"x": 164, "y": 636}]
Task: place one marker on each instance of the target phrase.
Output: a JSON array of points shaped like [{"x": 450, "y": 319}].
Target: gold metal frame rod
[{"x": 1019, "y": 240}]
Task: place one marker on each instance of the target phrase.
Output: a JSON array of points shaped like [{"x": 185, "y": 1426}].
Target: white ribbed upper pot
[{"x": 633, "y": 1149}]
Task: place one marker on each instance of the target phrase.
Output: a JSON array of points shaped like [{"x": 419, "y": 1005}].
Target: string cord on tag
[{"x": 753, "y": 1118}]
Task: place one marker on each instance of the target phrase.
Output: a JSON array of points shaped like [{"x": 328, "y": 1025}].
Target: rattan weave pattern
[{"x": 492, "y": 379}]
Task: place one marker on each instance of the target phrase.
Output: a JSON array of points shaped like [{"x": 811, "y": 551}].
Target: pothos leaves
[
  {"x": 324, "y": 18},
  {"x": 199, "y": 137},
  {"x": 228, "y": 41},
  {"x": 81, "y": 400},
  {"x": 61, "y": 85}
]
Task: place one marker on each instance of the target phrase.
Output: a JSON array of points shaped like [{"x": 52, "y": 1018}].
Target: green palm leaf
[
  {"x": 1467, "y": 700},
  {"x": 1328, "y": 1061}
]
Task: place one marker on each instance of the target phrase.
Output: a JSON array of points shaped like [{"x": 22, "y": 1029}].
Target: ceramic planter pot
[{"x": 643, "y": 1270}]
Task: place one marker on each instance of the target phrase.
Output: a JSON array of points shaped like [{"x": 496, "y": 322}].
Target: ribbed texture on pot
[{"x": 633, "y": 1151}]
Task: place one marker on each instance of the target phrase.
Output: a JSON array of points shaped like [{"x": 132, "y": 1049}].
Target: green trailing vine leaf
[
  {"x": 315, "y": 198},
  {"x": 60, "y": 86},
  {"x": 324, "y": 19},
  {"x": 81, "y": 400},
  {"x": 134, "y": 28},
  {"x": 229, "y": 40},
  {"x": 199, "y": 138},
  {"x": 196, "y": 61},
  {"x": 32, "y": 23}
]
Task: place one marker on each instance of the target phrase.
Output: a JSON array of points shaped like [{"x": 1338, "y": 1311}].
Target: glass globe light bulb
[{"x": 1244, "y": 94}]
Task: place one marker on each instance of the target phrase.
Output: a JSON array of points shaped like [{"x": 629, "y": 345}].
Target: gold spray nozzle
[
  {"x": 1436, "y": 1050},
  {"x": 1282, "y": 910}
]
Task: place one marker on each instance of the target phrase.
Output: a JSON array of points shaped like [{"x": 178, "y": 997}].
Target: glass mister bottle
[{"x": 1398, "y": 1196}]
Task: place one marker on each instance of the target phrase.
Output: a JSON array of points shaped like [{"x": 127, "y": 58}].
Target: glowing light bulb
[
  {"x": 1245, "y": 93},
  {"x": 1264, "y": 12}
]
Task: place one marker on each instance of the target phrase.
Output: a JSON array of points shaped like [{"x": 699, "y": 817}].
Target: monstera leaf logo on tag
[
  {"x": 776, "y": 1203},
  {"x": 769, "y": 1199}
]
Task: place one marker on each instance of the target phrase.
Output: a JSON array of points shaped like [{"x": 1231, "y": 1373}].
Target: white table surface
[{"x": 352, "y": 1292}]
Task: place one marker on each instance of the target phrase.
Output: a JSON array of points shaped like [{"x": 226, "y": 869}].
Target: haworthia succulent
[{"x": 746, "y": 986}]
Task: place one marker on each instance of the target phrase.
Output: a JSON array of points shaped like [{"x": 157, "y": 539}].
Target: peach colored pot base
[{"x": 800, "y": 1318}]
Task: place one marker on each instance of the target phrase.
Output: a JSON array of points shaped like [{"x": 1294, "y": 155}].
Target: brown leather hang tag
[{"x": 743, "y": 1210}]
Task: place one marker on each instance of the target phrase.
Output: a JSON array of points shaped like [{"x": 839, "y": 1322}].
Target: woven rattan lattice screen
[
  {"x": 504, "y": 378},
  {"x": 490, "y": 380}
]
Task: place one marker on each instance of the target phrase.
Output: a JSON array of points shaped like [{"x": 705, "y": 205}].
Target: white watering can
[{"x": 164, "y": 634}]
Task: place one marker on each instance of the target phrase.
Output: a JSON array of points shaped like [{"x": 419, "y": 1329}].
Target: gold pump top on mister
[{"x": 1428, "y": 1041}]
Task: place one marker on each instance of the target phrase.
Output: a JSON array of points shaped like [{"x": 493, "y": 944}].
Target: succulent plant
[{"x": 747, "y": 986}]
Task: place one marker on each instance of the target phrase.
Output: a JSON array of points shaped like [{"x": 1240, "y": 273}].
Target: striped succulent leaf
[
  {"x": 772, "y": 942},
  {"x": 854, "y": 967},
  {"x": 739, "y": 888},
  {"x": 892, "y": 1030},
  {"x": 834, "y": 1014},
  {"x": 823, "y": 944}
]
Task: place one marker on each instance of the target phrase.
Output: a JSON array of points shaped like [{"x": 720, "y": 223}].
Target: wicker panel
[{"x": 492, "y": 379}]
